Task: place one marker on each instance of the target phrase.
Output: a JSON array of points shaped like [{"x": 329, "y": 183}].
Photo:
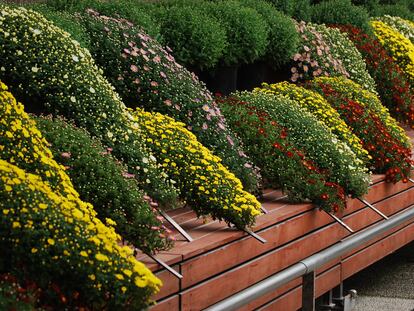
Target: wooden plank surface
[{"x": 222, "y": 260}]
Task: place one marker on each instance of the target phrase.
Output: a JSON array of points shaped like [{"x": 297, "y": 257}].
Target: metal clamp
[
  {"x": 340, "y": 222},
  {"x": 163, "y": 264},
  {"x": 256, "y": 236},
  {"x": 373, "y": 208},
  {"x": 176, "y": 225}
]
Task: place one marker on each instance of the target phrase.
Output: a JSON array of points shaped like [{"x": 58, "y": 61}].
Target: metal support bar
[
  {"x": 176, "y": 225},
  {"x": 280, "y": 198},
  {"x": 312, "y": 263},
  {"x": 308, "y": 291},
  {"x": 264, "y": 210},
  {"x": 162, "y": 263},
  {"x": 410, "y": 179},
  {"x": 373, "y": 208},
  {"x": 340, "y": 222},
  {"x": 256, "y": 236}
]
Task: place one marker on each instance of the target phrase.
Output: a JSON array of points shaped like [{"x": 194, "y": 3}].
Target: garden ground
[{"x": 388, "y": 284}]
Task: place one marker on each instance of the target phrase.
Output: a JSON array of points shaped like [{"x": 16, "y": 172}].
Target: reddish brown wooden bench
[{"x": 222, "y": 261}]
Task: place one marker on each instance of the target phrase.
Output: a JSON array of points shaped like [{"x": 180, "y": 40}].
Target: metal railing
[{"x": 306, "y": 267}]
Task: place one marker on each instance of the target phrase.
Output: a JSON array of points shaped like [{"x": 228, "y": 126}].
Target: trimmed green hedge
[
  {"x": 283, "y": 37},
  {"x": 340, "y": 12}
]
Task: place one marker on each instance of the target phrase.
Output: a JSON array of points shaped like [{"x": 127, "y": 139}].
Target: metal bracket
[
  {"x": 340, "y": 222},
  {"x": 176, "y": 225},
  {"x": 373, "y": 208},
  {"x": 169, "y": 268},
  {"x": 256, "y": 236},
  {"x": 264, "y": 210},
  {"x": 308, "y": 291}
]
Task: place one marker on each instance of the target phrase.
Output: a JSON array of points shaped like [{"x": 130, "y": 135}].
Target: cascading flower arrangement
[
  {"x": 321, "y": 109},
  {"x": 57, "y": 241},
  {"x": 342, "y": 48},
  {"x": 386, "y": 142},
  {"x": 105, "y": 183},
  {"x": 210, "y": 189},
  {"x": 392, "y": 85},
  {"x": 43, "y": 66},
  {"x": 146, "y": 75},
  {"x": 50, "y": 236},
  {"x": 399, "y": 47},
  {"x": 315, "y": 57},
  {"x": 295, "y": 150},
  {"x": 401, "y": 25},
  {"x": 282, "y": 164}
]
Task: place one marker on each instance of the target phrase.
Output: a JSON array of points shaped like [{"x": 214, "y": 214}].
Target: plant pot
[
  {"x": 221, "y": 80},
  {"x": 252, "y": 75}
]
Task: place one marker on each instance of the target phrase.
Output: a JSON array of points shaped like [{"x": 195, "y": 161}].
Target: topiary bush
[
  {"x": 396, "y": 9},
  {"x": 386, "y": 142},
  {"x": 106, "y": 184},
  {"x": 340, "y": 12},
  {"x": 399, "y": 47},
  {"x": 321, "y": 109},
  {"x": 300, "y": 10},
  {"x": 328, "y": 154},
  {"x": 351, "y": 59},
  {"x": 314, "y": 57},
  {"x": 282, "y": 163},
  {"x": 66, "y": 81},
  {"x": 392, "y": 85},
  {"x": 208, "y": 186},
  {"x": 57, "y": 242},
  {"x": 283, "y": 38},
  {"x": 198, "y": 40},
  {"x": 147, "y": 75},
  {"x": 246, "y": 31}
]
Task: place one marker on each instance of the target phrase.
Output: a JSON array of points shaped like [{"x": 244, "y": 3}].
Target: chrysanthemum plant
[
  {"x": 295, "y": 150},
  {"x": 380, "y": 135}
]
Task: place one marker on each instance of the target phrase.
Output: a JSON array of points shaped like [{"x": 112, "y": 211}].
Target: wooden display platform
[{"x": 222, "y": 261}]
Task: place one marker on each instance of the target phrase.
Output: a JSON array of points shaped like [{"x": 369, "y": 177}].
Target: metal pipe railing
[{"x": 311, "y": 263}]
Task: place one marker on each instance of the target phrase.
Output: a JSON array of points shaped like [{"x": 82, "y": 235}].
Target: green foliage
[
  {"x": 66, "y": 81},
  {"x": 136, "y": 12},
  {"x": 198, "y": 40},
  {"x": 64, "y": 20},
  {"x": 106, "y": 184},
  {"x": 283, "y": 38},
  {"x": 298, "y": 9},
  {"x": 246, "y": 31},
  {"x": 147, "y": 75},
  {"x": 340, "y": 12},
  {"x": 15, "y": 296},
  {"x": 400, "y": 10}
]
